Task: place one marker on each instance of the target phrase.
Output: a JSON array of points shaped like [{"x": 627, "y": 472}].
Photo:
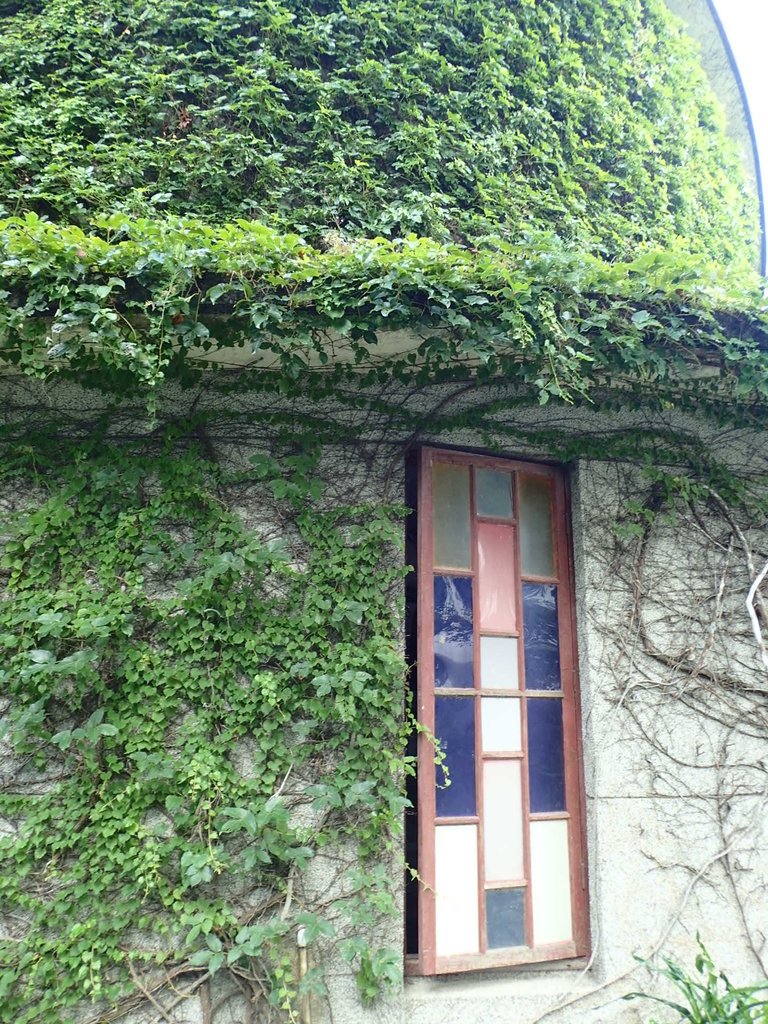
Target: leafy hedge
[{"x": 454, "y": 119}]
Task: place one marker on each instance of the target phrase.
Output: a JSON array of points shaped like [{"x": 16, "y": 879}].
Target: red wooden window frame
[{"x": 427, "y": 962}]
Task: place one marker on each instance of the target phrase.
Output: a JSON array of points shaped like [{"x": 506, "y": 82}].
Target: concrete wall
[{"x": 673, "y": 699}]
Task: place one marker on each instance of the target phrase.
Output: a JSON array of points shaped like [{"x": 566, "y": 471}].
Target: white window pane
[
  {"x": 551, "y": 883},
  {"x": 501, "y": 724},
  {"x": 498, "y": 662},
  {"x": 503, "y": 831},
  {"x": 456, "y": 914}
]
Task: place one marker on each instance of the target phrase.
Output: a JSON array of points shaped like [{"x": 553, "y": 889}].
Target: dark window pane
[
  {"x": 545, "y": 754},
  {"x": 541, "y": 647},
  {"x": 455, "y": 728},
  {"x": 494, "y": 493},
  {"x": 505, "y": 917},
  {"x": 411, "y": 883},
  {"x": 453, "y": 631},
  {"x": 450, "y": 515}
]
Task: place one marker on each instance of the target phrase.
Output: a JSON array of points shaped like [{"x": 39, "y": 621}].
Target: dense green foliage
[
  {"x": 142, "y": 301},
  {"x": 173, "y": 678},
  {"x": 522, "y": 143},
  {"x": 454, "y": 119}
]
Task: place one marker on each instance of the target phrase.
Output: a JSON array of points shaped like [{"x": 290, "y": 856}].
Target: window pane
[
  {"x": 493, "y": 493},
  {"x": 498, "y": 662},
  {"x": 496, "y": 577},
  {"x": 454, "y": 646},
  {"x": 505, "y": 917},
  {"x": 503, "y": 821},
  {"x": 551, "y": 883},
  {"x": 456, "y": 914},
  {"x": 450, "y": 515},
  {"x": 541, "y": 642},
  {"x": 501, "y": 724},
  {"x": 535, "y": 527},
  {"x": 545, "y": 754},
  {"x": 455, "y": 728}
]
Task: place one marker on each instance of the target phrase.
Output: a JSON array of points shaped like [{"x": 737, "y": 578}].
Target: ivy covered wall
[
  {"x": 196, "y": 590},
  {"x": 203, "y": 689},
  {"x": 452, "y": 119}
]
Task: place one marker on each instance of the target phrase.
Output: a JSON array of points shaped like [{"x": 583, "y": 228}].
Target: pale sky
[{"x": 746, "y": 25}]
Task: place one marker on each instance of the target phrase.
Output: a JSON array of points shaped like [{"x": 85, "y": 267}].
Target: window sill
[{"x": 561, "y": 956}]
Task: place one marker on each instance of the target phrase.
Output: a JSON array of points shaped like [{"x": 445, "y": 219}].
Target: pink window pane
[{"x": 496, "y": 577}]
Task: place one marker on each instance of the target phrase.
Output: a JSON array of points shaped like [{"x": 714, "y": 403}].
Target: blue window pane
[
  {"x": 455, "y": 728},
  {"x": 540, "y": 637},
  {"x": 505, "y": 917},
  {"x": 453, "y": 631},
  {"x": 545, "y": 754}
]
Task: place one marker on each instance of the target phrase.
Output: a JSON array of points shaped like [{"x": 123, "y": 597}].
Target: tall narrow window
[{"x": 501, "y": 856}]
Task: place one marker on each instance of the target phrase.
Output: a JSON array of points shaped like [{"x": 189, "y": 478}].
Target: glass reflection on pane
[
  {"x": 455, "y": 728},
  {"x": 496, "y": 577},
  {"x": 498, "y": 662},
  {"x": 536, "y": 558},
  {"x": 505, "y": 917},
  {"x": 450, "y": 515},
  {"x": 546, "y": 773},
  {"x": 453, "y": 631},
  {"x": 541, "y": 642},
  {"x": 494, "y": 493}
]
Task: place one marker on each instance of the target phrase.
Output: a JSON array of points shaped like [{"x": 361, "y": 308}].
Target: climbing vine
[
  {"x": 203, "y": 678},
  {"x": 173, "y": 682},
  {"x": 140, "y": 302}
]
